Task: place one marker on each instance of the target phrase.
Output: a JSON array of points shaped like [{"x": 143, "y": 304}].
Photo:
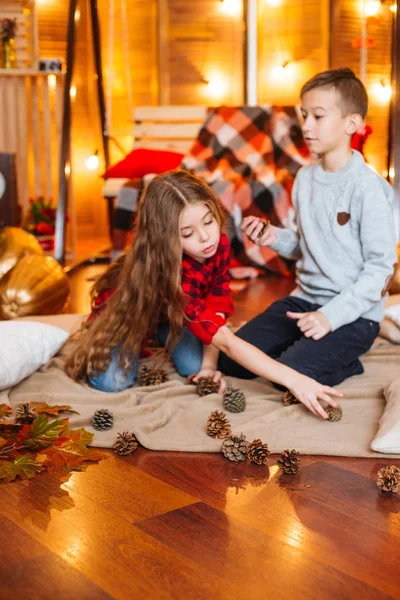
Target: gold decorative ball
[
  {"x": 37, "y": 285},
  {"x": 15, "y": 243}
]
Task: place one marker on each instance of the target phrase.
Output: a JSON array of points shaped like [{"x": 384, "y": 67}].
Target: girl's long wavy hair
[{"x": 147, "y": 280}]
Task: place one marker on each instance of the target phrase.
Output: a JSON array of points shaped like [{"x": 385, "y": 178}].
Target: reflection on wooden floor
[{"x": 166, "y": 525}]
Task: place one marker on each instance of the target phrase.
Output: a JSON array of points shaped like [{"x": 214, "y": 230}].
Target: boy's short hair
[{"x": 354, "y": 98}]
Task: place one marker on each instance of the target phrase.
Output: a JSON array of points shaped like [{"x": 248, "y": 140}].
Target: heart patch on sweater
[{"x": 343, "y": 218}]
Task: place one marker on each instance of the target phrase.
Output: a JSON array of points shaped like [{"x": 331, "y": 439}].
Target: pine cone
[
  {"x": 24, "y": 414},
  {"x": 389, "y": 479},
  {"x": 289, "y": 462},
  {"x": 206, "y": 385},
  {"x": 334, "y": 414},
  {"x": 289, "y": 399},
  {"x": 125, "y": 444},
  {"x": 257, "y": 452},
  {"x": 234, "y": 400},
  {"x": 151, "y": 376},
  {"x": 264, "y": 227},
  {"x": 218, "y": 425},
  {"x": 102, "y": 420},
  {"x": 234, "y": 447}
]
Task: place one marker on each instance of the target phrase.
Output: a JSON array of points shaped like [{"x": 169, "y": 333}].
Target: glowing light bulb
[
  {"x": 274, "y": 2},
  {"x": 67, "y": 169},
  {"x": 231, "y": 7},
  {"x": 280, "y": 71},
  {"x": 391, "y": 172},
  {"x": 371, "y": 8},
  {"x": 72, "y": 92},
  {"x": 216, "y": 86},
  {"x": 92, "y": 162},
  {"x": 77, "y": 14},
  {"x": 382, "y": 92},
  {"x": 393, "y": 8}
]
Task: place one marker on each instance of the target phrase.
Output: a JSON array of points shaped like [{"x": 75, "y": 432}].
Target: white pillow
[
  {"x": 24, "y": 347},
  {"x": 387, "y": 440}
]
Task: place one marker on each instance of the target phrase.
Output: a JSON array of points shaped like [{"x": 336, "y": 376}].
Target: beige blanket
[{"x": 172, "y": 416}]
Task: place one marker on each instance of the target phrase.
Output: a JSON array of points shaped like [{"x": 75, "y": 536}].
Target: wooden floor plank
[
  {"x": 261, "y": 565},
  {"x": 103, "y": 545}
]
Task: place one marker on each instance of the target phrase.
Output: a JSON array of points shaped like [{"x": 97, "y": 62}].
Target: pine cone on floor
[
  {"x": 151, "y": 376},
  {"x": 102, "y": 419},
  {"x": 24, "y": 414},
  {"x": 218, "y": 425},
  {"x": 289, "y": 462},
  {"x": 206, "y": 385},
  {"x": 334, "y": 414},
  {"x": 389, "y": 479},
  {"x": 234, "y": 400},
  {"x": 257, "y": 452},
  {"x": 289, "y": 399},
  {"x": 126, "y": 443},
  {"x": 234, "y": 447}
]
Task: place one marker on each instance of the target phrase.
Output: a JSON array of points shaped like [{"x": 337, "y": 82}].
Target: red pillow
[{"x": 142, "y": 161}]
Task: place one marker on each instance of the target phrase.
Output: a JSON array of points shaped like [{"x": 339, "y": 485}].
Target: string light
[
  {"x": 382, "y": 92},
  {"x": 216, "y": 85},
  {"x": 281, "y": 70},
  {"x": 93, "y": 161},
  {"x": 231, "y": 7},
  {"x": 72, "y": 92},
  {"x": 67, "y": 169},
  {"x": 393, "y": 8},
  {"x": 77, "y": 14},
  {"x": 371, "y": 8}
]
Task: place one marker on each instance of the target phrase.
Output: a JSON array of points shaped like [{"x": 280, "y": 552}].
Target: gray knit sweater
[{"x": 345, "y": 241}]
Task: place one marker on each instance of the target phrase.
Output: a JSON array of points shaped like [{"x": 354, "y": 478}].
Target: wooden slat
[
  {"x": 36, "y": 137},
  {"x": 160, "y": 131},
  {"x": 182, "y": 113},
  {"x": 22, "y": 154},
  {"x": 175, "y": 145},
  {"x": 47, "y": 157}
]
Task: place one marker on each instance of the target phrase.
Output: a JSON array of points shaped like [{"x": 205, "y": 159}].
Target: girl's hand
[
  {"x": 308, "y": 391},
  {"x": 209, "y": 372},
  {"x": 253, "y": 226}
]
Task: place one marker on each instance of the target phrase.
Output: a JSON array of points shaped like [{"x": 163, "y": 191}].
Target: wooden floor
[{"x": 161, "y": 525}]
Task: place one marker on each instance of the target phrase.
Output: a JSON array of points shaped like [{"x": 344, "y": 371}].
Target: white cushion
[
  {"x": 387, "y": 440},
  {"x": 24, "y": 347}
]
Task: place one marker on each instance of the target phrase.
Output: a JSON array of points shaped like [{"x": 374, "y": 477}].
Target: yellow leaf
[{"x": 42, "y": 407}]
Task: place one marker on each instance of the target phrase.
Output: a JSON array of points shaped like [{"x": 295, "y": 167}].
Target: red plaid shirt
[{"x": 206, "y": 287}]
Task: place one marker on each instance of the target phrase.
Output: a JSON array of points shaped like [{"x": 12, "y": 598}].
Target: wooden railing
[{"x": 30, "y": 127}]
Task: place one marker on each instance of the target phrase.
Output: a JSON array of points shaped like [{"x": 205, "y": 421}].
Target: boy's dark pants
[{"x": 329, "y": 360}]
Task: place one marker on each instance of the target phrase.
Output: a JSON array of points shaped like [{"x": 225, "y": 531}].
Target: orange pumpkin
[
  {"x": 14, "y": 244},
  {"x": 37, "y": 285}
]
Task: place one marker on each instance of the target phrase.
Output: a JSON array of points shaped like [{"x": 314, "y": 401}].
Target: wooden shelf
[{"x": 28, "y": 72}]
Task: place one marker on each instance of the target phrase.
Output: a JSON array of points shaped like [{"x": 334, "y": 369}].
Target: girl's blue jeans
[{"x": 187, "y": 357}]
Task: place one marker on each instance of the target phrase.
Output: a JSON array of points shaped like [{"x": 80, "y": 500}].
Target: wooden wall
[
  {"x": 292, "y": 33},
  {"x": 200, "y": 57},
  {"x": 346, "y": 31}
]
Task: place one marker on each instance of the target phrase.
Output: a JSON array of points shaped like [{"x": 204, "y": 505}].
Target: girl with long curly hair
[{"x": 173, "y": 285}]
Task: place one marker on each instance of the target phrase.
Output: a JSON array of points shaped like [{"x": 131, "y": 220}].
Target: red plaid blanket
[{"x": 249, "y": 156}]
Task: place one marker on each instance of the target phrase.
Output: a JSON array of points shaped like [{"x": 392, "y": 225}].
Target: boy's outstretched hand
[
  {"x": 314, "y": 325},
  {"x": 253, "y": 226}
]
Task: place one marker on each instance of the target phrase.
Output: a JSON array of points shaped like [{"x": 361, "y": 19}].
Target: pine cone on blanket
[
  {"x": 151, "y": 376},
  {"x": 218, "y": 425},
  {"x": 289, "y": 462},
  {"x": 234, "y": 399},
  {"x": 24, "y": 414},
  {"x": 389, "y": 479},
  {"x": 102, "y": 419},
  {"x": 289, "y": 399},
  {"x": 257, "y": 452},
  {"x": 334, "y": 414},
  {"x": 234, "y": 447},
  {"x": 126, "y": 443},
  {"x": 206, "y": 385}
]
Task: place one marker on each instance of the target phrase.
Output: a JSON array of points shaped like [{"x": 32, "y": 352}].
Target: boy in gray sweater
[{"x": 345, "y": 244}]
